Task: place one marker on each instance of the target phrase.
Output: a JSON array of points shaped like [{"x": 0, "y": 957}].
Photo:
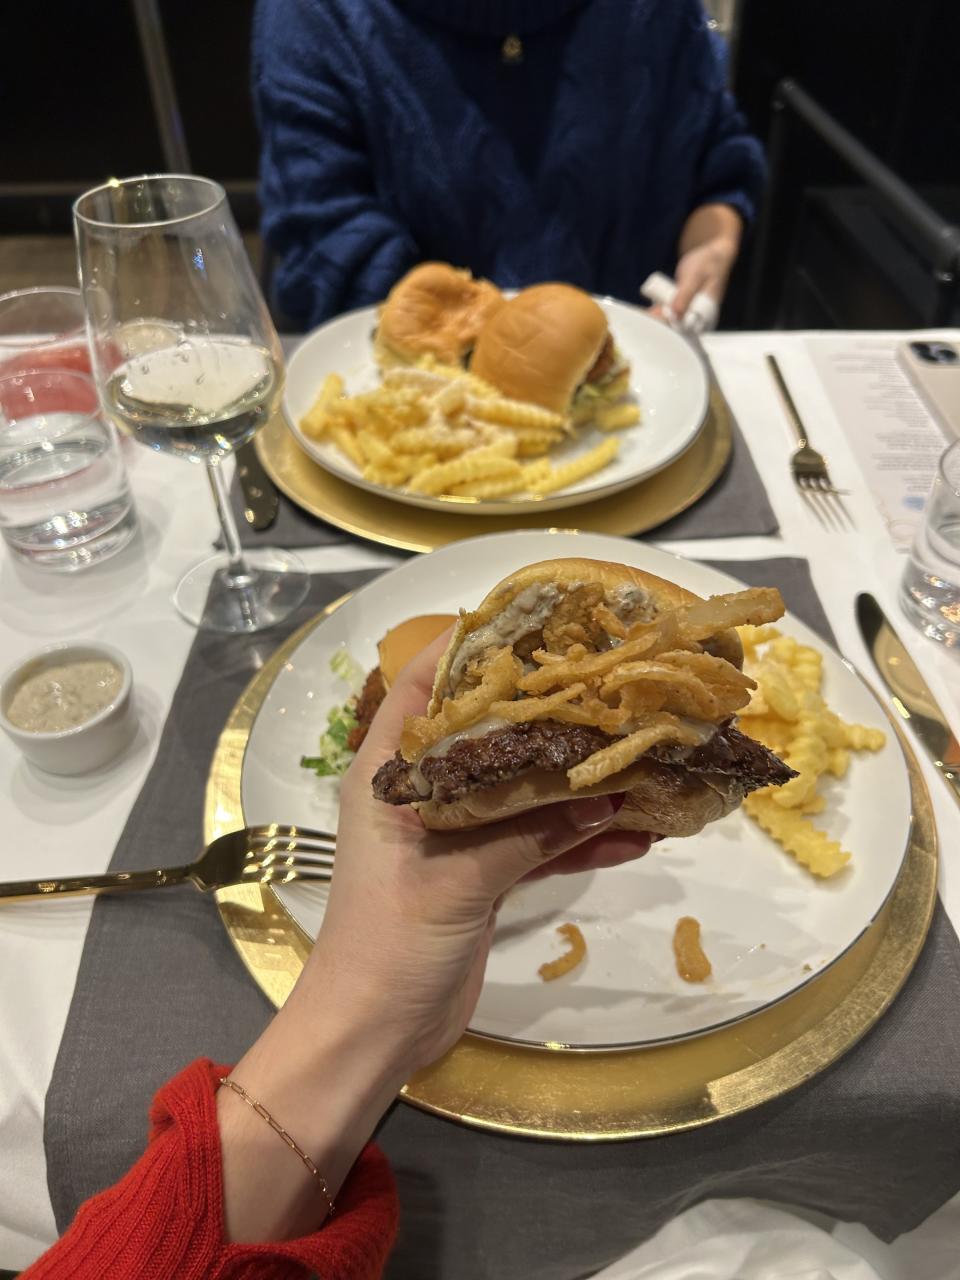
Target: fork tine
[
  {"x": 283, "y": 831},
  {"x": 286, "y": 875},
  {"x": 833, "y": 504},
  {"x": 807, "y": 494}
]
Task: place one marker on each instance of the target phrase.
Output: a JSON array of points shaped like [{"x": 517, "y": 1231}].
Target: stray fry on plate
[
  {"x": 577, "y": 950},
  {"x": 788, "y": 714}
]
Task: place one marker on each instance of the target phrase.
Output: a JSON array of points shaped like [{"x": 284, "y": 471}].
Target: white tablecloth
[{"x": 64, "y": 826}]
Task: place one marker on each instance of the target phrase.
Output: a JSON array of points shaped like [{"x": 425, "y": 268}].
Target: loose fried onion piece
[
  {"x": 497, "y": 684},
  {"x": 609, "y": 760},
  {"x": 570, "y": 959},
  {"x": 692, "y": 962}
]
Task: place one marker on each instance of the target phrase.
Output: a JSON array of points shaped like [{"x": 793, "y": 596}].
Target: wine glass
[{"x": 187, "y": 361}]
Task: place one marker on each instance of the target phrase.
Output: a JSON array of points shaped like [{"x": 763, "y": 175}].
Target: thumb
[{"x": 518, "y": 846}]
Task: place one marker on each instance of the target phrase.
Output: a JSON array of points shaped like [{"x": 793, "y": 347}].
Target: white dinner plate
[
  {"x": 667, "y": 379},
  {"x": 768, "y": 926}
]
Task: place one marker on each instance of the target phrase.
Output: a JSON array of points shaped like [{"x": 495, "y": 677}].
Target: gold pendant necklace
[{"x": 511, "y": 51}]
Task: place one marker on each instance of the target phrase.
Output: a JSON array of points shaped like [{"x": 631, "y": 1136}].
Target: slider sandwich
[
  {"x": 579, "y": 678},
  {"x": 551, "y": 345},
  {"x": 434, "y": 310}
]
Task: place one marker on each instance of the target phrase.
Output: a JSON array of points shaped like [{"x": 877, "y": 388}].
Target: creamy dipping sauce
[{"x": 64, "y": 696}]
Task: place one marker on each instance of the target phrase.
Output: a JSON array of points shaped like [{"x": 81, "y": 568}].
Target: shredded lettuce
[
  {"x": 333, "y": 755},
  {"x": 348, "y": 669}
]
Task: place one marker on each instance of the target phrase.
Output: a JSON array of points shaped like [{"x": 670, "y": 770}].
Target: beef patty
[
  {"x": 368, "y": 704},
  {"x": 475, "y": 763}
]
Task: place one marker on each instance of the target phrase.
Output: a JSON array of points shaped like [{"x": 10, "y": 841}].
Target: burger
[
  {"x": 434, "y": 310},
  {"x": 582, "y": 677},
  {"x": 550, "y": 345}
]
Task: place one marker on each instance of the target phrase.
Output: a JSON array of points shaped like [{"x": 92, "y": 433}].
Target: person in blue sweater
[{"x": 590, "y": 141}]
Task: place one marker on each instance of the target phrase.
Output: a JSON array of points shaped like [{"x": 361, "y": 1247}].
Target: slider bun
[
  {"x": 540, "y": 345},
  {"x": 434, "y": 310},
  {"x": 405, "y": 641},
  {"x": 574, "y": 571},
  {"x": 659, "y": 799}
]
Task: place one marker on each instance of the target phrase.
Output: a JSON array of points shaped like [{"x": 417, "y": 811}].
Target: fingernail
[{"x": 594, "y": 811}]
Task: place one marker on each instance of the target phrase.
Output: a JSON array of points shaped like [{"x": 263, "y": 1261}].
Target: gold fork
[
  {"x": 809, "y": 466},
  {"x": 271, "y": 854}
]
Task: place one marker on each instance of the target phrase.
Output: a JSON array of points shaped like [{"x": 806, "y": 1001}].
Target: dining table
[{"x": 59, "y": 826}]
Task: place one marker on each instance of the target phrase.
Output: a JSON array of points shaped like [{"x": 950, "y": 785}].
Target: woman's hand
[
  {"x": 708, "y": 249},
  {"x": 393, "y": 977},
  {"x": 411, "y": 913}
]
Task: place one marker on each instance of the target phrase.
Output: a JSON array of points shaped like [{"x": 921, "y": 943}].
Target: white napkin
[{"x": 701, "y": 314}]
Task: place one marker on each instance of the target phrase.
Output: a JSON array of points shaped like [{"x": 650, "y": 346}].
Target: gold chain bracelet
[{"x": 278, "y": 1129}]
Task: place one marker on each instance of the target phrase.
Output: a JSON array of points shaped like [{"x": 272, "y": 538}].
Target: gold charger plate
[
  {"x": 370, "y": 515},
  {"x": 558, "y": 1093}
]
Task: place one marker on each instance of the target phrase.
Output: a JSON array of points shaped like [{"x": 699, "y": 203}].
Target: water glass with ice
[
  {"x": 930, "y": 590},
  {"x": 64, "y": 499}
]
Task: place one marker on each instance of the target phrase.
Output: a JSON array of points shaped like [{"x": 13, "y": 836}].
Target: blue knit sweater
[{"x": 395, "y": 131}]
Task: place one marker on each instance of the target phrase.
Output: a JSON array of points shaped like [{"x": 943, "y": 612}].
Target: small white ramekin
[{"x": 86, "y": 746}]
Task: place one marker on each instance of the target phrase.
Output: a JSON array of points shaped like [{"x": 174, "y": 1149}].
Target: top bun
[
  {"x": 406, "y": 640},
  {"x": 567, "y": 574},
  {"x": 540, "y": 345},
  {"x": 435, "y": 310}
]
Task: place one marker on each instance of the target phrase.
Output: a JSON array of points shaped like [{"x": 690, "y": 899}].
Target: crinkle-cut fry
[
  {"x": 522, "y": 709},
  {"x": 770, "y": 730},
  {"x": 576, "y": 950},
  {"x": 806, "y": 753},
  {"x": 811, "y": 847},
  {"x": 775, "y": 685},
  {"x": 346, "y": 442},
  {"x": 513, "y": 413},
  {"x": 416, "y": 376},
  {"x": 579, "y": 468},
  {"x": 451, "y": 398},
  {"x": 391, "y": 477},
  {"x": 480, "y": 464},
  {"x": 487, "y": 490},
  {"x": 315, "y": 420},
  {"x": 614, "y": 417},
  {"x": 610, "y": 760},
  {"x": 533, "y": 471},
  {"x": 861, "y": 737},
  {"x": 751, "y": 637},
  {"x": 440, "y": 439},
  {"x": 374, "y": 450},
  {"x": 498, "y": 680},
  {"x": 757, "y": 706},
  {"x": 477, "y": 385},
  {"x": 534, "y": 445},
  {"x": 838, "y": 762}
]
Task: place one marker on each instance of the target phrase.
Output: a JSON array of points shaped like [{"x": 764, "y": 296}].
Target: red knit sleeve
[{"x": 165, "y": 1217}]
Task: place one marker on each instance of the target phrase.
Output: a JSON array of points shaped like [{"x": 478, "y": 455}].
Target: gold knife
[
  {"x": 260, "y": 500},
  {"x": 910, "y": 693}
]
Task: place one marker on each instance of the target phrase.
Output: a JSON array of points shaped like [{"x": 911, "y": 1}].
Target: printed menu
[{"x": 895, "y": 438}]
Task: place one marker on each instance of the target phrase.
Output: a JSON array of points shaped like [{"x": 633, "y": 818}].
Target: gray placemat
[
  {"x": 872, "y": 1140},
  {"x": 737, "y": 505}
]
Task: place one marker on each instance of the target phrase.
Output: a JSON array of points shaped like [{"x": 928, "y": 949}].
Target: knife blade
[
  {"x": 911, "y": 694},
  {"x": 260, "y": 500}
]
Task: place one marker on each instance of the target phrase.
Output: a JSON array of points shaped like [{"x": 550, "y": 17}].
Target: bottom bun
[{"x": 660, "y": 798}]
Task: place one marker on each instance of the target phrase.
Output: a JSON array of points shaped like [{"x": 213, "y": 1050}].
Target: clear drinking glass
[
  {"x": 64, "y": 498},
  {"x": 187, "y": 362},
  {"x": 930, "y": 589},
  {"x": 43, "y": 329}
]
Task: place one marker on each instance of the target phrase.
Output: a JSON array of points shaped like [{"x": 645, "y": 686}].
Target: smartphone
[{"x": 934, "y": 368}]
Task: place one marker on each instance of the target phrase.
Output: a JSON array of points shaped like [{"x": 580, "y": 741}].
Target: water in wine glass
[{"x": 199, "y": 398}]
